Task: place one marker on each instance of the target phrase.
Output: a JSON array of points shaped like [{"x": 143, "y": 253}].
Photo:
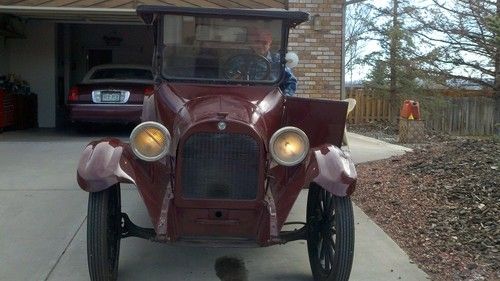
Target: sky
[{"x": 362, "y": 71}]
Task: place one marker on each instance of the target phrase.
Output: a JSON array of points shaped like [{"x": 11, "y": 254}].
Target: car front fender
[
  {"x": 109, "y": 161},
  {"x": 101, "y": 165},
  {"x": 326, "y": 165},
  {"x": 336, "y": 171}
]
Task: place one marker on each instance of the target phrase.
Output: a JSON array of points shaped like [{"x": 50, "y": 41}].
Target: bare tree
[
  {"x": 396, "y": 66},
  {"x": 467, "y": 35},
  {"x": 355, "y": 32}
]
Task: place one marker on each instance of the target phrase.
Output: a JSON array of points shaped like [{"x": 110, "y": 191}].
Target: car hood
[{"x": 258, "y": 108}]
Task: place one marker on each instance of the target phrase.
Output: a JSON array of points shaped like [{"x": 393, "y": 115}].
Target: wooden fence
[
  {"x": 368, "y": 108},
  {"x": 453, "y": 115},
  {"x": 464, "y": 116}
]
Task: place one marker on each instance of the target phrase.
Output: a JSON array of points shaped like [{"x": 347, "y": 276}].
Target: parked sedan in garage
[{"x": 111, "y": 93}]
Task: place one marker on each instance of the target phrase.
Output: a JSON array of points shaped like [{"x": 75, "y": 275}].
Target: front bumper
[{"x": 119, "y": 113}]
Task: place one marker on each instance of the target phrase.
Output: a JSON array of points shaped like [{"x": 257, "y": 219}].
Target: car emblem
[{"x": 221, "y": 125}]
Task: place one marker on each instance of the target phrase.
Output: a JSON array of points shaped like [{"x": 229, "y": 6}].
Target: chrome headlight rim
[
  {"x": 138, "y": 129},
  {"x": 277, "y": 134}
]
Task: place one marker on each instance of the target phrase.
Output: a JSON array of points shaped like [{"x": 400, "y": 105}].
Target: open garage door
[
  {"x": 59, "y": 45},
  {"x": 74, "y": 14}
]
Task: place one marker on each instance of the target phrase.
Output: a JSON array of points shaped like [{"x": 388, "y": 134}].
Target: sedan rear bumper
[{"x": 120, "y": 113}]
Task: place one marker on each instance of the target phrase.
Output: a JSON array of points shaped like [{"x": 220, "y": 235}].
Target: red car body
[
  {"x": 160, "y": 183},
  {"x": 219, "y": 184}
]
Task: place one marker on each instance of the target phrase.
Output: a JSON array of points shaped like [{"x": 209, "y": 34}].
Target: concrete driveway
[{"x": 43, "y": 224}]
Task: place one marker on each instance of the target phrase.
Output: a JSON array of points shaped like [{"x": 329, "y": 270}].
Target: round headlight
[
  {"x": 289, "y": 146},
  {"x": 150, "y": 141}
]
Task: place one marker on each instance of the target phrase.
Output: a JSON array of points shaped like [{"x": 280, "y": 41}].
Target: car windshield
[
  {"x": 122, "y": 74},
  {"x": 222, "y": 49}
]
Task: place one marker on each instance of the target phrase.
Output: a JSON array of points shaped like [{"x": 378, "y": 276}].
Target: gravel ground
[{"x": 441, "y": 203}]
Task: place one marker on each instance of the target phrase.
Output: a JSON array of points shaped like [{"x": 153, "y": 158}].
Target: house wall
[
  {"x": 33, "y": 59},
  {"x": 320, "y": 51}
]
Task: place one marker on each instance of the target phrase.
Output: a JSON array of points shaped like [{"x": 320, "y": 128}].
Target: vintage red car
[
  {"x": 111, "y": 93},
  {"x": 222, "y": 154}
]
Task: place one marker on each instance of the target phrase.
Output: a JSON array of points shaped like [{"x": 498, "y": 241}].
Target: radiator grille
[{"x": 220, "y": 166}]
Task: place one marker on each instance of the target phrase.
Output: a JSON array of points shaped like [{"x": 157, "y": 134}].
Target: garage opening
[{"x": 81, "y": 46}]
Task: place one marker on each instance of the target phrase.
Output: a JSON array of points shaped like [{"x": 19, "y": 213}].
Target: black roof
[{"x": 147, "y": 12}]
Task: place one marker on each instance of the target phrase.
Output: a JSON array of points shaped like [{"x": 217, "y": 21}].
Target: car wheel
[
  {"x": 330, "y": 235},
  {"x": 103, "y": 234}
]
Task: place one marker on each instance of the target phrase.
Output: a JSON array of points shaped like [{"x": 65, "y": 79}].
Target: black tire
[
  {"x": 330, "y": 235},
  {"x": 103, "y": 234}
]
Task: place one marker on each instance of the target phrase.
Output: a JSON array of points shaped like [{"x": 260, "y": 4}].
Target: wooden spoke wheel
[{"x": 330, "y": 235}]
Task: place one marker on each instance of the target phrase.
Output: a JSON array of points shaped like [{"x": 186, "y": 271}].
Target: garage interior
[
  {"x": 83, "y": 46},
  {"x": 45, "y": 52}
]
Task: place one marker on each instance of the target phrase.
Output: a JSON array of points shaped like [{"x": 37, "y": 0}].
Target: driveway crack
[{"x": 65, "y": 249}]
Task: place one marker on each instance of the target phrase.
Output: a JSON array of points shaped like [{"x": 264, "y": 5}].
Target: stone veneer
[{"x": 320, "y": 57}]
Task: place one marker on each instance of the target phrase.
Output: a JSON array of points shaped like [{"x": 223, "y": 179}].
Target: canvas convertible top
[{"x": 294, "y": 18}]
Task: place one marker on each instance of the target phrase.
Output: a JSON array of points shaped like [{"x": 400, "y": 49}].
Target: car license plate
[{"x": 110, "y": 97}]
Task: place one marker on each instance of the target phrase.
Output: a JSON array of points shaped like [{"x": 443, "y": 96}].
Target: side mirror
[{"x": 292, "y": 59}]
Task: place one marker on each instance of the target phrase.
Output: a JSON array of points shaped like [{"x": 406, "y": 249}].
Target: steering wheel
[{"x": 247, "y": 67}]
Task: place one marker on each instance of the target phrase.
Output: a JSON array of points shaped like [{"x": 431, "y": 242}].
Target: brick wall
[{"x": 320, "y": 59}]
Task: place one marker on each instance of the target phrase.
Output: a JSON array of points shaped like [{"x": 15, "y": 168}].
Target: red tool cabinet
[{"x": 7, "y": 110}]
